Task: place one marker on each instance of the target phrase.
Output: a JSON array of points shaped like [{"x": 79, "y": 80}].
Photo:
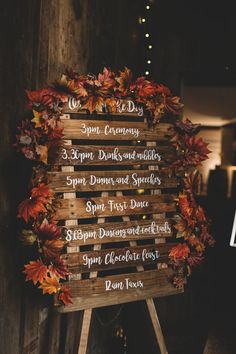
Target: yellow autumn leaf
[{"x": 36, "y": 120}]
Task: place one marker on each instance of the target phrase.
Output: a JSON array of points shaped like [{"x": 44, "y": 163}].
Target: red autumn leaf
[
  {"x": 56, "y": 134},
  {"x": 195, "y": 260},
  {"x": 59, "y": 269},
  {"x": 184, "y": 206},
  {"x": 65, "y": 295},
  {"x": 31, "y": 207},
  {"x": 181, "y": 251},
  {"x": 162, "y": 89},
  {"x": 41, "y": 97},
  {"x": 52, "y": 248},
  {"x": 124, "y": 81},
  {"x": 42, "y": 191},
  {"x": 36, "y": 271},
  {"x": 143, "y": 88},
  {"x": 185, "y": 126},
  {"x": 197, "y": 150},
  {"x": 50, "y": 285},
  {"x": 48, "y": 231}
]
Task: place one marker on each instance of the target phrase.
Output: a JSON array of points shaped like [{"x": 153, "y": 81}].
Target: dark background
[{"x": 193, "y": 42}]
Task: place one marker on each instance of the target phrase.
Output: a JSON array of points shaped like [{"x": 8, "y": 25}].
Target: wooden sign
[{"x": 113, "y": 211}]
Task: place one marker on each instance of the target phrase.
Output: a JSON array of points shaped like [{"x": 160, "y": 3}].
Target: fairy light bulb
[
  {"x": 147, "y": 35},
  {"x": 146, "y": 72},
  {"x": 149, "y": 61},
  {"x": 148, "y": 7},
  {"x": 143, "y": 20},
  {"x": 150, "y": 46}
]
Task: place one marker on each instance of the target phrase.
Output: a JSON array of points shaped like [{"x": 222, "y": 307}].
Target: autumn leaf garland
[{"x": 40, "y": 136}]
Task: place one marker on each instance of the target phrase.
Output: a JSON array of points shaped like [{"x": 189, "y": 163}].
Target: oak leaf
[{"x": 42, "y": 151}]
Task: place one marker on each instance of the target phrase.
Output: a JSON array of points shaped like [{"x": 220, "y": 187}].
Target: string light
[{"x": 144, "y": 20}]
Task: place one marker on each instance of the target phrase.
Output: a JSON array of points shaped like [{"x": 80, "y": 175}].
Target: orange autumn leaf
[
  {"x": 65, "y": 295},
  {"x": 94, "y": 103},
  {"x": 42, "y": 151},
  {"x": 37, "y": 119},
  {"x": 52, "y": 248},
  {"x": 181, "y": 251},
  {"x": 111, "y": 104},
  {"x": 50, "y": 285},
  {"x": 42, "y": 191},
  {"x": 31, "y": 207},
  {"x": 124, "y": 81},
  {"x": 36, "y": 271}
]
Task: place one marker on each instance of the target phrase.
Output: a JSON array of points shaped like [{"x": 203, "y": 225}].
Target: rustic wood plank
[
  {"x": 88, "y": 181},
  {"x": 83, "y": 208},
  {"x": 88, "y": 234},
  {"x": 88, "y": 155},
  {"x": 116, "y": 258},
  {"x": 85, "y": 129},
  {"x": 91, "y": 293}
]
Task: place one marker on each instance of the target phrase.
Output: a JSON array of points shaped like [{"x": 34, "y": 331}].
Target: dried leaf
[
  {"x": 31, "y": 207},
  {"x": 50, "y": 285},
  {"x": 36, "y": 271},
  {"x": 65, "y": 295},
  {"x": 52, "y": 248},
  {"x": 59, "y": 269},
  {"x": 181, "y": 251}
]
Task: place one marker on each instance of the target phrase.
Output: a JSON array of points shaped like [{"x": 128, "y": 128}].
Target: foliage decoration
[{"x": 40, "y": 136}]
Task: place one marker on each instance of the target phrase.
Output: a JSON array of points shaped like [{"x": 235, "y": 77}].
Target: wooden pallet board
[
  {"x": 84, "y": 129},
  {"x": 116, "y": 258},
  {"x": 92, "y": 293},
  {"x": 93, "y": 155},
  {"x": 89, "y": 181},
  {"x": 112, "y": 232},
  {"x": 92, "y": 207}
]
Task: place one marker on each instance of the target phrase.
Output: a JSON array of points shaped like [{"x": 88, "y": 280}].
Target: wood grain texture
[
  {"x": 86, "y": 129},
  {"x": 112, "y": 155},
  {"x": 76, "y": 208},
  {"x": 87, "y": 234},
  {"x": 89, "y": 181},
  {"x": 76, "y": 261},
  {"x": 91, "y": 293}
]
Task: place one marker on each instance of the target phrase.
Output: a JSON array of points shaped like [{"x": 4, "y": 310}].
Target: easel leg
[
  {"x": 85, "y": 331},
  {"x": 156, "y": 326}
]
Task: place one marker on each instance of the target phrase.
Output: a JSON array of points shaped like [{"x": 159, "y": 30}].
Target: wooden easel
[
  {"x": 87, "y": 316},
  {"x": 97, "y": 247}
]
